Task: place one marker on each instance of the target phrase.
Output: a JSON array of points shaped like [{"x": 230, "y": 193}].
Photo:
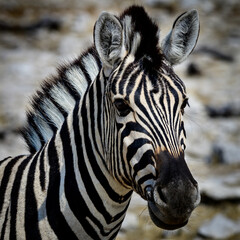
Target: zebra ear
[
  {"x": 181, "y": 40},
  {"x": 108, "y": 39}
]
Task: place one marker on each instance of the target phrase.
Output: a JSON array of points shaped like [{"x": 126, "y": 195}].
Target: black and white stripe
[
  {"x": 57, "y": 97},
  {"x": 93, "y": 133}
]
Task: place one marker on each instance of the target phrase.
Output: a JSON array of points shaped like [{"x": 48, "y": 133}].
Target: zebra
[{"x": 109, "y": 123}]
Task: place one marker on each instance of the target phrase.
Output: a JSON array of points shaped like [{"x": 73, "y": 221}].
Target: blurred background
[{"x": 37, "y": 36}]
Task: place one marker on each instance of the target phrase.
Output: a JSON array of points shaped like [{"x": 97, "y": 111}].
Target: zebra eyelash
[
  {"x": 184, "y": 104},
  {"x": 122, "y": 106}
]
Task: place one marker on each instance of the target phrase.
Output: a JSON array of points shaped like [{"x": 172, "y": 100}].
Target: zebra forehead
[
  {"x": 131, "y": 74},
  {"x": 173, "y": 81}
]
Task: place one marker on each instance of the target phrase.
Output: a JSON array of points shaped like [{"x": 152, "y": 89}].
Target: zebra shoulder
[{"x": 56, "y": 98}]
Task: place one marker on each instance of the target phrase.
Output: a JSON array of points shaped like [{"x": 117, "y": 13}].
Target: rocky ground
[{"x": 35, "y": 37}]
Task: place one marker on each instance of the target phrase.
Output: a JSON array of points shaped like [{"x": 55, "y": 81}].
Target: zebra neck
[
  {"x": 92, "y": 132},
  {"x": 89, "y": 196}
]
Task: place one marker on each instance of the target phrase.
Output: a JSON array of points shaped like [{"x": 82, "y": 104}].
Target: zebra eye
[
  {"x": 184, "y": 104},
  {"x": 122, "y": 107}
]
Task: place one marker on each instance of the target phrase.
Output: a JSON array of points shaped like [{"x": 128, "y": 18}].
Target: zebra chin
[{"x": 162, "y": 221}]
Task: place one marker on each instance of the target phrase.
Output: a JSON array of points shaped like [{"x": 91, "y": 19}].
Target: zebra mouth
[{"x": 155, "y": 215}]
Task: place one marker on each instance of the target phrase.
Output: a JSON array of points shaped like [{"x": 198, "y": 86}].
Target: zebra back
[{"x": 57, "y": 97}]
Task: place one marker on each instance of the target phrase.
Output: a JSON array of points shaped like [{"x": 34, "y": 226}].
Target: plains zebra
[{"x": 109, "y": 123}]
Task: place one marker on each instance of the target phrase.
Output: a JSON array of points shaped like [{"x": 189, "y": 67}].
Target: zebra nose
[
  {"x": 161, "y": 194},
  {"x": 171, "y": 206},
  {"x": 175, "y": 185},
  {"x": 180, "y": 194},
  {"x": 149, "y": 193}
]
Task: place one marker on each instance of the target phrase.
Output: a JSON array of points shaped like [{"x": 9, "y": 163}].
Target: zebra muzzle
[{"x": 174, "y": 194}]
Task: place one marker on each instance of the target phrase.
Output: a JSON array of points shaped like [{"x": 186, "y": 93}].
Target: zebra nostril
[
  {"x": 149, "y": 193},
  {"x": 161, "y": 195}
]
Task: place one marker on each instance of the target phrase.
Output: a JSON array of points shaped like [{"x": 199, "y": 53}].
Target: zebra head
[{"x": 143, "y": 107}]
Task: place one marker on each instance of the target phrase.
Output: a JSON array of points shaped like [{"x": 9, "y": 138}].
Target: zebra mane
[
  {"x": 58, "y": 95},
  {"x": 137, "y": 21},
  {"x": 56, "y": 98}
]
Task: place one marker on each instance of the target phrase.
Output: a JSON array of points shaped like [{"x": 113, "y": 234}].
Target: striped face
[
  {"x": 146, "y": 107},
  {"x": 143, "y": 110},
  {"x": 145, "y": 139}
]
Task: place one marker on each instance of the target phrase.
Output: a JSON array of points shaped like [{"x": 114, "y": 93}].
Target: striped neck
[{"x": 91, "y": 189}]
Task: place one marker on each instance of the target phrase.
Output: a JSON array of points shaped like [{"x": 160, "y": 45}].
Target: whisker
[{"x": 145, "y": 208}]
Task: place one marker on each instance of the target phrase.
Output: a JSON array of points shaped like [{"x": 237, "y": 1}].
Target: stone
[
  {"x": 227, "y": 110},
  {"x": 193, "y": 70},
  {"x": 224, "y": 152},
  {"x": 47, "y": 23},
  {"x": 217, "y": 155},
  {"x": 220, "y": 227},
  {"x": 216, "y": 54},
  {"x": 167, "y": 4},
  {"x": 221, "y": 188}
]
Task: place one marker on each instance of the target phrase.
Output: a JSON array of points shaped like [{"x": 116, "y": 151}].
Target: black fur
[{"x": 149, "y": 33}]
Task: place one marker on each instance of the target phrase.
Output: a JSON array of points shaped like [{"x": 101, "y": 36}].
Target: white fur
[
  {"x": 91, "y": 66},
  {"x": 62, "y": 97},
  {"x": 135, "y": 43},
  {"x": 34, "y": 139},
  {"x": 78, "y": 80},
  {"x": 127, "y": 26},
  {"x": 181, "y": 40},
  {"x": 55, "y": 117},
  {"x": 43, "y": 127},
  {"x": 108, "y": 27}
]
